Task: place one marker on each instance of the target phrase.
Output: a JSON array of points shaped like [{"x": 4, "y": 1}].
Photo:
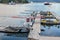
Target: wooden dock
[{"x": 34, "y": 34}]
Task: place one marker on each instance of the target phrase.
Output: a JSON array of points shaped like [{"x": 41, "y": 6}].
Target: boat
[
  {"x": 47, "y": 3},
  {"x": 50, "y": 22},
  {"x": 14, "y": 29}
]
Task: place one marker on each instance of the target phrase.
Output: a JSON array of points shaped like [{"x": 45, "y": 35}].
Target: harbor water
[{"x": 37, "y": 7}]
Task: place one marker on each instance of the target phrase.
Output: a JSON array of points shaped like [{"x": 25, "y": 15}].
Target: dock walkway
[{"x": 34, "y": 34}]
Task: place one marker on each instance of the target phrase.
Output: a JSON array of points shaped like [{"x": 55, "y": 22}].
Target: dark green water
[{"x": 13, "y": 36}]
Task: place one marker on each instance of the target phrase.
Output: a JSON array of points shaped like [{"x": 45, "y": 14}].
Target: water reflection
[
  {"x": 13, "y": 36},
  {"x": 17, "y": 35},
  {"x": 50, "y": 30}
]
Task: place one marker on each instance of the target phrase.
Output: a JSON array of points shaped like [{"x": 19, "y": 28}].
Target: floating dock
[{"x": 34, "y": 34}]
